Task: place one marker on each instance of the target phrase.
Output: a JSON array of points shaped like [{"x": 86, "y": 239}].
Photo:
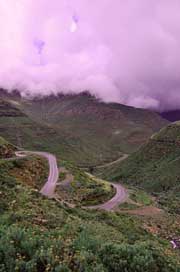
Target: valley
[
  {"x": 89, "y": 136},
  {"x": 77, "y": 128}
]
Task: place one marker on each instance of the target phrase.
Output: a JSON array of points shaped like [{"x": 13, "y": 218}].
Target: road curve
[
  {"x": 125, "y": 156},
  {"x": 120, "y": 197},
  {"x": 49, "y": 187},
  {"x": 122, "y": 158}
]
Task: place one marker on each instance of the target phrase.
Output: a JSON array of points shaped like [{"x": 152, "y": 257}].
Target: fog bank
[{"x": 123, "y": 51}]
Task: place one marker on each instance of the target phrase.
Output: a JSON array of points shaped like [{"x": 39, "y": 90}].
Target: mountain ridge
[{"x": 80, "y": 127}]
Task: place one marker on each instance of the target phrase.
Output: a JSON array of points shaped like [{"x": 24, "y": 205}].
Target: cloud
[{"x": 123, "y": 51}]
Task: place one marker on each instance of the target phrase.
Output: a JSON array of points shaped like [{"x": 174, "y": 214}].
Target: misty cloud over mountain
[{"x": 126, "y": 51}]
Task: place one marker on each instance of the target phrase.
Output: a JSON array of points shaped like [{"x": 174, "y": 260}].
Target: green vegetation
[
  {"x": 38, "y": 234},
  {"x": 6, "y": 150},
  {"x": 128, "y": 206},
  {"x": 81, "y": 188},
  {"x": 137, "y": 199},
  {"x": 155, "y": 167},
  {"x": 32, "y": 171},
  {"x": 77, "y": 128},
  {"x": 140, "y": 197},
  {"x": 62, "y": 176},
  {"x": 2, "y": 142},
  {"x": 170, "y": 200}
]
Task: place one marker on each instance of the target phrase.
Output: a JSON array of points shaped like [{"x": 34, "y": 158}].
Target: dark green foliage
[
  {"x": 6, "y": 183},
  {"x": 135, "y": 258},
  {"x": 170, "y": 200},
  {"x": 30, "y": 250}
]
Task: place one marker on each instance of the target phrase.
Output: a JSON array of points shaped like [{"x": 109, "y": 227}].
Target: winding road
[
  {"x": 120, "y": 197},
  {"x": 50, "y": 186},
  {"x": 122, "y": 158}
]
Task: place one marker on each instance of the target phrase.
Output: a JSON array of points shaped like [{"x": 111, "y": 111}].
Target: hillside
[
  {"x": 24, "y": 132},
  {"x": 7, "y": 150},
  {"x": 155, "y": 166},
  {"x": 39, "y": 234},
  {"x": 80, "y": 128}
]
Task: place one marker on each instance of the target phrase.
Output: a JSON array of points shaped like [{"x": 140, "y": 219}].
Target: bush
[
  {"x": 135, "y": 258},
  {"x": 7, "y": 184},
  {"x": 29, "y": 250}
]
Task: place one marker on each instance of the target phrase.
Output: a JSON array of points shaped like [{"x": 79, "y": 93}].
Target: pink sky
[{"x": 124, "y": 51}]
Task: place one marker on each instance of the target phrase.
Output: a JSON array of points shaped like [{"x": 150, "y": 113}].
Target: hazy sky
[{"x": 126, "y": 51}]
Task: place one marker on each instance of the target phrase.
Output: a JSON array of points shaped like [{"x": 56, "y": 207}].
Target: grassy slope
[
  {"x": 37, "y": 234},
  {"x": 98, "y": 132},
  {"x": 83, "y": 189},
  {"x": 19, "y": 129},
  {"x": 155, "y": 166},
  {"x": 6, "y": 150},
  {"x": 79, "y": 128},
  {"x": 34, "y": 170}
]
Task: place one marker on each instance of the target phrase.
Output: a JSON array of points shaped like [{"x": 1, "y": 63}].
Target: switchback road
[
  {"x": 120, "y": 197},
  {"x": 49, "y": 187}
]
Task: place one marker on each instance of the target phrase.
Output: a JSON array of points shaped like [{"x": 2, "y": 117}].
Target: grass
[
  {"x": 32, "y": 171},
  {"x": 154, "y": 167},
  {"x": 6, "y": 150},
  {"x": 84, "y": 189},
  {"x": 137, "y": 198},
  {"x": 128, "y": 206},
  {"x": 39, "y": 234},
  {"x": 77, "y": 128},
  {"x": 140, "y": 197},
  {"x": 170, "y": 200},
  {"x": 2, "y": 142}
]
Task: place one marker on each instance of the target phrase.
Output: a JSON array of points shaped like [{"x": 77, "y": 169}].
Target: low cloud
[{"x": 123, "y": 51}]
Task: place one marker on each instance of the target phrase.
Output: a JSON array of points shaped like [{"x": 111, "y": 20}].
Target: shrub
[{"x": 135, "y": 258}]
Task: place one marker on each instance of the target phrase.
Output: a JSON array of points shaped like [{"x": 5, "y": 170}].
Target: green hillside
[
  {"x": 78, "y": 128},
  {"x": 38, "y": 234},
  {"x": 155, "y": 166},
  {"x": 6, "y": 150},
  {"x": 97, "y": 132},
  {"x": 22, "y": 131}
]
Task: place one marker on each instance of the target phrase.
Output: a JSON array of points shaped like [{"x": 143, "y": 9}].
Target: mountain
[
  {"x": 171, "y": 116},
  {"x": 22, "y": 131},
  {"x": 155, "y": 167},
  {"x": 79, "y": 128}
]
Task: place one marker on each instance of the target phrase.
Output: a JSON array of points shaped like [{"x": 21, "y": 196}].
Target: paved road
[
  {"x": 49, "y": 187},
  {"x": 120, "y": 197}
]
